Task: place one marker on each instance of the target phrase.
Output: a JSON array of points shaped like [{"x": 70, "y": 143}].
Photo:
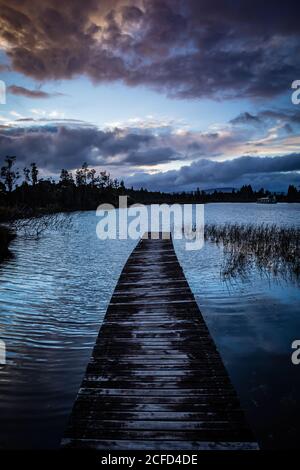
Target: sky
[{"x": 166, "y": 94}]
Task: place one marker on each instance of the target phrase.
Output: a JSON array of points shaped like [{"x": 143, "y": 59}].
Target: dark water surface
[{"x": 54, "y": 294}]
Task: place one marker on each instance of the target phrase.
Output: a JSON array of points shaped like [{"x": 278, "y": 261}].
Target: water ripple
[{"x": 54, "y": 294}]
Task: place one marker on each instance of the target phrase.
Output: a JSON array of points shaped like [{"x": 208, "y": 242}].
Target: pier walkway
[{"x": 155, "y": 380}]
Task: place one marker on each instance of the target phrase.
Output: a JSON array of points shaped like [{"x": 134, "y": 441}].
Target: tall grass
[{"x": 268, "y": 248}]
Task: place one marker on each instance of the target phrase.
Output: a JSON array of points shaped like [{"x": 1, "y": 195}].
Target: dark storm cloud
[
  {"x": 209, "y": 173},
  {"x": 290, "y": 116},
  {"x": 54, "y": 147},
  {"x": 289, "y": 119},
  {"x": 246, "y": 118},
  {"x": 152, "y": 156},
  {"x": 67, "y": 144},
  {"x": 21, "y": 91},
  {"x": 190, "y": 48}
]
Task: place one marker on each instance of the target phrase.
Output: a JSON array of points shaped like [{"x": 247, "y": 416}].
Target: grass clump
[{"x": 269, "y": 248}]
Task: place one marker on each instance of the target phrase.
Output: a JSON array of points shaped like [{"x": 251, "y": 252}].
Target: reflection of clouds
[
  {"x": 248, "y": 319},
  {"x": 259, "y": 326},
  {"x": 54, "y": 294}
]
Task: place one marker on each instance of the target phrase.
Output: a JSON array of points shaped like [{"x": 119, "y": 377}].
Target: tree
[
  {"x": 115, "y": 183},
  {"x": 81, "y": 175},
  {"x": 8, "y": 174},
  {"x": 122, "y": 187},
  {"x": 292, "y": 194},
  {"x": 65, "y": 178},
  {"x": 105, "y": 181},
  {"x": 91, "y": 176},
  {"x": 26, "y": 172},
  {"x": 85, "y": 172},
  {"x": 34, "y": 174},
  {"x": 246, "y": 192}
]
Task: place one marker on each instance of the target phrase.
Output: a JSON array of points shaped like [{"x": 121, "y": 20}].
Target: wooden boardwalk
[{"x": 155, "y": 379}]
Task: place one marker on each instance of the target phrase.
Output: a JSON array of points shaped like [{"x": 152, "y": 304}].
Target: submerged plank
[{"x": 155, "y": 379}]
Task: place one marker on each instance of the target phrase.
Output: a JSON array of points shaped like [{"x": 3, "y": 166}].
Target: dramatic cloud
[
  {"x": 150, "y": 149},
  {"x": 272, "y": 129},
  {"x": 21, "y": 91},
  {"x": 151, "y": 156},
  {"x": 54, "y": 147},
  {"x": 287, "y": 116},
  {"x": 190, "y": 48},
  {"x": 268, "y": 171},
  {"x": 246, "y": 118}
]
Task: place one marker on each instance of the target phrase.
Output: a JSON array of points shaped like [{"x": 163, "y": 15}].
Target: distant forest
[{"x": 22, "y": 192}]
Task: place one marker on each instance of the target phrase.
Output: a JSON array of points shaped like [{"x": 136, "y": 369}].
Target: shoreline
[
  {"x": 6, "y": 237},
  {"x": 8, "y": 213}
]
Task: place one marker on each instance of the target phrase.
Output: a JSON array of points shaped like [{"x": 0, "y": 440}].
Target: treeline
[
  {"x": 23, "y": 190},
  {"x": 247, "y": 194}
]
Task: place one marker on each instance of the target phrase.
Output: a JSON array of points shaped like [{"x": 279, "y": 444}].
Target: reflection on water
[
  {"x": 54, "y": 293},
  {"x": 270, "y": 250},
  {"x": 253, "y": 323}
]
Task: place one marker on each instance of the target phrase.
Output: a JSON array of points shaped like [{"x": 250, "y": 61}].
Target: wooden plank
[
  {"x": 138, "y": 444},
  {"x": 205, "y": 434},
  {"x": 155, "y": 379}
]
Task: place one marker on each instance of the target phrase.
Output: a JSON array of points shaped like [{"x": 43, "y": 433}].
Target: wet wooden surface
[{"x": 155, "y": 379}]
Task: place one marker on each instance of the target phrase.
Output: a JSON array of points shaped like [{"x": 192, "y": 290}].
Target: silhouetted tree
[
  {"x": 8, "y": 174},
  {"x": 92, "y": 188},
  {"x": 34, "y": 174},
  {"x": 66, "y": 177},
  {"x": 85, "y": 172},
  {"x": 26, "y": 172},
  {"x": 91, "y": 176},
  {"x": 292, "y": 194},
  {"x": 82, "y": 175},
  {"x": 104, "y": 179},
  {"x": 79, "y": 177}
]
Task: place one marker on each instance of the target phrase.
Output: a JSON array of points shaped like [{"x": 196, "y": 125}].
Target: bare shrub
[{"x": 35, "y": 226}]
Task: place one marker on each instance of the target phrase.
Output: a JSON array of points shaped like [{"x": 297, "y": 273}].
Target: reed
[{"x": 269, "y": 248}]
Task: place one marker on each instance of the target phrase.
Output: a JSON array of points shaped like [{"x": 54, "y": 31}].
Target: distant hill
[{"x": 219, "y": 190}]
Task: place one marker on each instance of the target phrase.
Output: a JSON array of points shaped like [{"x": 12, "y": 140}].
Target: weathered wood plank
[
  {"x": 138, "y": 444},
  {"x": 186, "y": 393},
  {"x": 170, "y": 435},
  {"x": 155, "y": 379}
]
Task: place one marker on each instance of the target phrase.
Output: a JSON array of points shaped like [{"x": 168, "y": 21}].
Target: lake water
[{"x": 53, "y": 297}]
